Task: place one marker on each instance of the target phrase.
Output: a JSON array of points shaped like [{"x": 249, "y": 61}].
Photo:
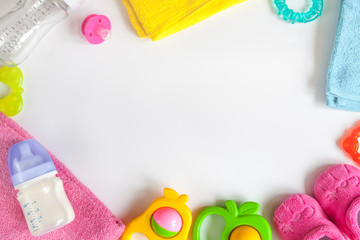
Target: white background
[{"x": 231, "y": 108}]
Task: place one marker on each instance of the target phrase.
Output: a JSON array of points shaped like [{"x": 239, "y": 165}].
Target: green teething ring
[
  {"x": 245, "y": 215},
  {"x": 289, "y": 15}
]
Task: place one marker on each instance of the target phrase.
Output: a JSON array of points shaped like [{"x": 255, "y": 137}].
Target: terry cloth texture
[
  {"x": 92, "y": 219},
  {"x": 343, "y": 87},
  {"x": 338, "y": 192},
  {"x": 300, "y": 217},
  {"x": 157, "y": 19}
]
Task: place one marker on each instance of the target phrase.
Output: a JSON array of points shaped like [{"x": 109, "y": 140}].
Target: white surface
[
  {"x": 5, "y": 90},
  {"x": 74, "y": 4},
  {"x": 231, "y": 108}
]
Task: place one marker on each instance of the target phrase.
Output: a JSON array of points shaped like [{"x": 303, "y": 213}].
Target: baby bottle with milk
[
  {"x": 26, "y": 23},
  {"x": 41, "y": 193}
]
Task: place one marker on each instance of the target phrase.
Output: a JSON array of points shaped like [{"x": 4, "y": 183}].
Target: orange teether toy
[{"x": 350, "y": 143}]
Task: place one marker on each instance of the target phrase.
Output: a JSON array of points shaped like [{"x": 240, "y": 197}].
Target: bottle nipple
[
  {"x": 28, "y": 160},
  {"x": 25, "y": 151},
  {"x": 96, "y": 28}
]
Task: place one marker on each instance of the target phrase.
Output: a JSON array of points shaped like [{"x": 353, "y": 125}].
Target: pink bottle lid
[{"x": 96, "y": 28}]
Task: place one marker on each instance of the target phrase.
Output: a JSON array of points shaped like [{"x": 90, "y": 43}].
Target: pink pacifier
[{"x": 96, "y": 28}]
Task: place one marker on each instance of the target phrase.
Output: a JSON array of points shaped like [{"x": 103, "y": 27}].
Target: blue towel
[{"x": 343, "y": 86}]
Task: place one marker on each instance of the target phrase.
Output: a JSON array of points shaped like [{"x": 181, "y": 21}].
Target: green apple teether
[{"x": 241, "y": 223}]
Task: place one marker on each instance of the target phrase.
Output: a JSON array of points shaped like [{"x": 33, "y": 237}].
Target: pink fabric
[
  {"x": 300, "y": 217},
  {"x": 338, "y": 192},
  {"x": 92, "y": 219}
]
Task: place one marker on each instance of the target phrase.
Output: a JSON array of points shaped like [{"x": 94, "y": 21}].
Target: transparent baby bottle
[
  {"x": 26, "y": 23},
  {"x": 41, "y": 193},
  {"x": 9, "y": 6}
]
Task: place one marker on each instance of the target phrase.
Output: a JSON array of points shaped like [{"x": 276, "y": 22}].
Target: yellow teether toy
[
  {"x": 12, "y": 103},
  {"x": 245, "y": 233},
  {"x": 167, "y": 217}
]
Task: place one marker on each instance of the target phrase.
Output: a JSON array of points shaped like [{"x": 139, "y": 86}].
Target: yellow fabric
[{"x": 157, "y": 19}]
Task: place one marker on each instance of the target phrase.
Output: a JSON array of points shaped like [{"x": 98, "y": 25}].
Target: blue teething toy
[{"x": 289, "y": 15}]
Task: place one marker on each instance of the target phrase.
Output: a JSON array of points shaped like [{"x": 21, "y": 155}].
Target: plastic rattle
[
  {"x": 96, "y": 28},
  {"x": 167, "y": 217},
  {"x": 240, "y": 224},
  {"x": 350, "y": 143},
  {"x": 289, "y": 15},
  {"x": 12, "y": 103}
]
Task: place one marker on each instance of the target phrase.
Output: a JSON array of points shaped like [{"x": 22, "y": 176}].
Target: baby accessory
[
  {"x": 13, "y": 102},
  {"x": 343, "y": 86},
  {"x": 338, "y": 192},
  {"x": 41, "y": 193},
  {"x": 9, "y": 6},
  {"x": 241, "y": 223},
  {"x": 93, "y": 220},
  {"x": 96, "y": 28},
  {"x": 289, "y": 15},
  {"x": 350, "y": 143},
  {"x": 157, "y": 19},
  {"x": 166, "y": 217},
  {"x": 300, "y": 217},
  {"x": 21, "y": 30}
]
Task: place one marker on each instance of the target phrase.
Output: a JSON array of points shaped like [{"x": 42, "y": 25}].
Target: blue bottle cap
[{"x": 28, "y": 160}]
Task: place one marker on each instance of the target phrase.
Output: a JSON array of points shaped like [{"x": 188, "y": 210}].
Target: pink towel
[{"x": 92, "y": 219}]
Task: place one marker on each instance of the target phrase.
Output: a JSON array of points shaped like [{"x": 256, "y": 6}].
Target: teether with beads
[
  {"x": 167, "y": 217},
  {"x": 11, "y": 104},
  {"x": 240, "y": 224}
]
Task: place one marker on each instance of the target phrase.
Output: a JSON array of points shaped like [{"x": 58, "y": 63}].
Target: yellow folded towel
[{"x": 157, "y": 19}]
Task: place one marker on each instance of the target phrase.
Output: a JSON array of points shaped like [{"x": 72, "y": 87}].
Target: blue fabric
[{"x": 343, "y": 86}]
